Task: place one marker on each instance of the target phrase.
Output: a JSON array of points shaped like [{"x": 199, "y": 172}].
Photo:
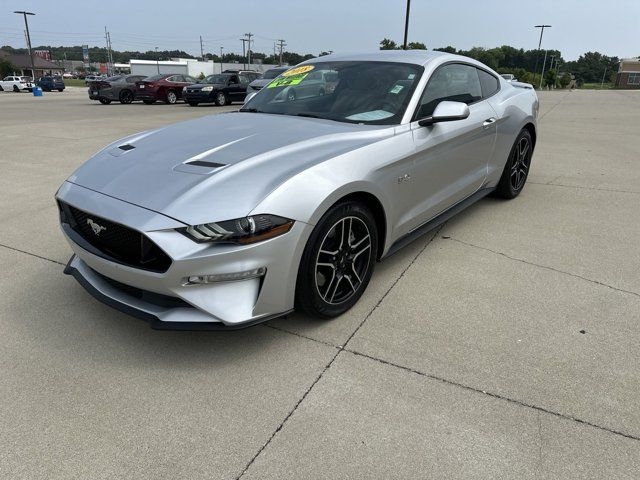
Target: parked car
[
  {"x": 316, "y": 83},
  {"x": 120, "y": 88},
  {"x": 164, "y": 87},
  {"x": 49, "y": 83},
  {"x": 265, "y": 79},
  {"x": 15, "y": 83},
  {"x": 229, "y": 220},
  {"x": 221, "y": 89},
  {"x": 67, "y": 75}
]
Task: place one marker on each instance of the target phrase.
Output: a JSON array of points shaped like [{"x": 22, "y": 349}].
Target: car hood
[{"x": 218, "y": 167}]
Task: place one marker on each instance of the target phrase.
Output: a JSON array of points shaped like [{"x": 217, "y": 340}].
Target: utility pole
[
  {"x": 244, "y": 53},
  {"x": 543, "y": 65},
  {"x": 603, "y": 75},
  {"x": 158, "y": 60},
  {"x": 406, "y": 26},
  {"x": 249, "y": 35},
  {"x": 535, "y": 70},
  {"x": 26, "y": 24},
  {"x": 201, "y": 49},
  {"x": 281, "y": 44},
  {"x": 110, "y": 51},
  {"x": 109, "y": 60},
  {"x": 221, "y": 59}
]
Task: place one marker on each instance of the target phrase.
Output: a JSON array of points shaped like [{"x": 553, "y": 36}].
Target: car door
[
  {"x": 234, "y": 89},
  {"x": 451, "y": 157}
]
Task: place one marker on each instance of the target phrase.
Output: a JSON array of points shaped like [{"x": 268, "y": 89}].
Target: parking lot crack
[
  {"x": 340, "y": 349},
  {"x": 546, "y": 267},
  {"x": 496, "y": 395},
  {"x": 32, "y": 254}
]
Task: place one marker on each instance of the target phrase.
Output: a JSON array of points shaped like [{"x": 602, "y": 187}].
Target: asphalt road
[{"x": 503, "y": 345}]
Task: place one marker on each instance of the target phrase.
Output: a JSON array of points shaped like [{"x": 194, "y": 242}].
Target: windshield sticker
[
  {"x": 287, "y": 81},
  {"x": 298, "y": 70},
  {"x": 371, "y": 116},
  {"x": 411, "y": 76},
  {"x": 396, "y": 89}
]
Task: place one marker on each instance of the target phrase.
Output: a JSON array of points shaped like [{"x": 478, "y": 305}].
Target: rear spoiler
[{"x": 526, "y": 86}]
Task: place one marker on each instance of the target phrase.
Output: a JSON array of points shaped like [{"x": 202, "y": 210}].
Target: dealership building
[{"x": 628, "y": 73}]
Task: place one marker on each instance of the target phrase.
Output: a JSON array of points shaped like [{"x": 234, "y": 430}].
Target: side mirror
[{"x": 446, "y": 112}]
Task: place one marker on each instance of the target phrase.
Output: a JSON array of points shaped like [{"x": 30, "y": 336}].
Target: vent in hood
[
  {"x": 126, "y": 147},
  {"x": 204, "y": 163}
]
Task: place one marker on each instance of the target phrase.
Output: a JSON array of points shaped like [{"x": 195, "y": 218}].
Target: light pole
[
  {"x": 406, "y": 26},
  {"x": 603, "y": 75},
  {"x": 157, "y": 60},
  {"x": 26, "y": 25},
  {"x": 221, "y": 59},
  {"x": 535, "y": 70}
]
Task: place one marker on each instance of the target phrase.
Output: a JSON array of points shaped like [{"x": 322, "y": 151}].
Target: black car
[
  {"x": 50, "y": 83},
  {"x": 119, "y": 88},
  {"x": 221, "y": 89}
]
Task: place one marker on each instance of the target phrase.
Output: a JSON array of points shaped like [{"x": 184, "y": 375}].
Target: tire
[
  {"x": 148, "y": 101},
  {"x": 126, "y": 97},
  {"x": 221, "y": 99},
  {"x": 1, "y": 89},
  {"x": 16, "y": 89},
  {"x": 291, "y": 95},
  {"x": 104, "y": 101},
  {"x": 61, "y": 90},
  {"x": 346, "y": 264},
  {"x": 193, "y": 104},
  {"x": 516, "y": 170},
  {"x": 171, "y": 97}
]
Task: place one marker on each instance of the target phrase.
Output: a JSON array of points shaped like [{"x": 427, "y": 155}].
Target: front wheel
[
  {"x": 172, "y": 97},
  {"x": 516, "y": 170},
  {"x": 126, "y": 96},
  {"x": 338, "y": 261},
  {"x": 105, "y": 101},
  {"x": 221, "y": 99}
]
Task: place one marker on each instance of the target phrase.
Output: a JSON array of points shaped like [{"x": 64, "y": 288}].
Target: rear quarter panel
[{"x": 515, "y": 107}]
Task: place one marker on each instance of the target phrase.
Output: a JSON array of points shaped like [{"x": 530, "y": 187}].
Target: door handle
[{"x": 488, "y": 122}]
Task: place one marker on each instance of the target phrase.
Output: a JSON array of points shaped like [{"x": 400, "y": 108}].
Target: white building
[{"x": 188, "y": 66}]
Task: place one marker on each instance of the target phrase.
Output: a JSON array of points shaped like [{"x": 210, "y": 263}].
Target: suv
[
  {"x": 221, "y": 89},
  {"x": 16, "y": 83},
  {"x": 50, "y": 83}
]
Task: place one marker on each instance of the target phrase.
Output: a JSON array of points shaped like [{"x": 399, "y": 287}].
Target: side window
[
  {"x": 454, "y": 82},
  {"x": 488, "y": 82},
  {"x": 189, "y": 79},
  {"x": 233, "y": 80},
  {"x": 244, "y": 80}
]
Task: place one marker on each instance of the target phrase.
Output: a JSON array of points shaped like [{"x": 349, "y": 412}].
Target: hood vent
[
  {"x": 204, "y": 163},
  {"x": 126, "y": 147}
]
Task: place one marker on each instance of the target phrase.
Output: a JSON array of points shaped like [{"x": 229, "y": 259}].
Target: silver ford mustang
[{"x": 233, "y": 219}]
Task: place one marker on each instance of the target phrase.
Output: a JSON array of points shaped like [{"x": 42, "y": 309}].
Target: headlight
[
  {"x": 207, "y": 89},
  {"x": 184, "y": 89},
  {"x": 242, "y": 230}
]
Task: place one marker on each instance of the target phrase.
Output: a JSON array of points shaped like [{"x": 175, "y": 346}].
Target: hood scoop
[{"x": 204, "y": 163}]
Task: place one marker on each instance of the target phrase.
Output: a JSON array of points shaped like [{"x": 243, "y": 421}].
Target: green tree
[
  {"x": 550, "y": 78},
  {"x": 448, "y": 49},
  {"x": 565, "y": 80},
  {"x": 416, "y": 46},
  {"x": 6, "y": 67},
  {"x": 387, "y": 44}
]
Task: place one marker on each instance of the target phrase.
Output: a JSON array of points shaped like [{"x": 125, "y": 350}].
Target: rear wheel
[
  {"x": 104, "y": 101},
  {"x": 61, "y": 90},
  {"x": 221, "y": 99},
  {"x": 516, "y": 170},
  {"x": 338, "y": 261},
  {"x": 171, "y": 97},
  {"x": 126, "y": 96},
  {"x": 15, "y": 88},
  {"x": 148, "y": 101}
]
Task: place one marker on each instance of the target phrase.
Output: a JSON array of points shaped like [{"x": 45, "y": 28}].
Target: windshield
[
  {"x": 354, "y": 92},
  {"x": 216, "y": 79},
  {"x": 273, "y": 73}
]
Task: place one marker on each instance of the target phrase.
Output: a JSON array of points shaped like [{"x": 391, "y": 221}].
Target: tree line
[{"x": 526, "y": 65}]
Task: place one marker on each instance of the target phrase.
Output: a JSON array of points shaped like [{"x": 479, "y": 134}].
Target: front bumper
[
  {"x": 198, "y": 96},
  {"x": 162, "y": 298}
]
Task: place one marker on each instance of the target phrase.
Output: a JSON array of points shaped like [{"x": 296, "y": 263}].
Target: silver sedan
[{"x": 230, "y": 220}]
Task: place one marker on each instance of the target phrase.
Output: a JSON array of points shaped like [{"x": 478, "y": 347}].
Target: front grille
[{"x": 115, "y": 241}]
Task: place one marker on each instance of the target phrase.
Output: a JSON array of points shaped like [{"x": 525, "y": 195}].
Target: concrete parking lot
[{"x": 503, "y": 345}]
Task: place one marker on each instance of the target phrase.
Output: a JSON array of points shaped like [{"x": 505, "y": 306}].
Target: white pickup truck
[{"x": 16, "y": 83}]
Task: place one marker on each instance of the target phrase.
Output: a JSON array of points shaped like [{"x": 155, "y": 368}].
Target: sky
[{"x": 578, "y": 26}]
